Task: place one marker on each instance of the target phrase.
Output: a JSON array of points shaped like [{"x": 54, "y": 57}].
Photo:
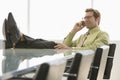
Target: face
[{"x": 90, "y": 20}]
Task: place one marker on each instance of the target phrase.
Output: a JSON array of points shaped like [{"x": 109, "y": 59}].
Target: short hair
[{"x": 96, "y": 13}]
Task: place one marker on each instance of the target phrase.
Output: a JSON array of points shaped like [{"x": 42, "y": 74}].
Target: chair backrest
[
  {"x": 42, "y": 72},
  {"x": 98, "y": 64},
  {"x": 87, "y": 58},
  {"x": 35, "y": 70},
  {"x": 109, "y": 63},
  {"x": 80, "y": 66},
  {"x": 74, "y": 69},
  {"x": 52, "y": 70},
  {"x": 103, "y": 62},
  {"x": 56, "y": 69}
]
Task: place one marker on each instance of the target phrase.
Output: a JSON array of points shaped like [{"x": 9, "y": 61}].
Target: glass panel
[
  {"x": 52, "y": 18},
  {"x": 110, "y": 17},
  {"x": 19, "y": 11}
]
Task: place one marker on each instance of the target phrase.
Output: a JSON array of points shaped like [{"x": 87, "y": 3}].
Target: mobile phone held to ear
[{"x": 83, "y": 23}]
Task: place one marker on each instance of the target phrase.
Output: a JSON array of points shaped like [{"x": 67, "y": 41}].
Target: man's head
[{"x": 92, "y": 18}]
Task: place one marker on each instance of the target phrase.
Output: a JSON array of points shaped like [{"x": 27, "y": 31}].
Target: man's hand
[
  {"x": 78, "y": 26},
  {"x": 61, "y": 46}
]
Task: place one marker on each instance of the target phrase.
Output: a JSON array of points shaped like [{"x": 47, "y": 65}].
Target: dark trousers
[{"x": 35, "y": 43}]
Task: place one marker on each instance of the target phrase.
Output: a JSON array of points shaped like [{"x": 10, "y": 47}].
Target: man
[{"x": 92, "y": 39}]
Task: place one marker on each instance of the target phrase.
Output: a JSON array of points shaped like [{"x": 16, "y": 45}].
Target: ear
[{"x": 98, "y": 20}]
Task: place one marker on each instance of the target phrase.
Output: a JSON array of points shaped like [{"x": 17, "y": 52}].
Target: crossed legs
[{"x": 15, "y": 39}]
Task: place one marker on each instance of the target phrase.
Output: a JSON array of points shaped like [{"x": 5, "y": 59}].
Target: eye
[{"x": 88, "y": 17}]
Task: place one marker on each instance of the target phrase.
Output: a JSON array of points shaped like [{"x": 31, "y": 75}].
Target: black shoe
[
  {"x": 13, "y": 29},
  {"x": 7, "y": 40}
]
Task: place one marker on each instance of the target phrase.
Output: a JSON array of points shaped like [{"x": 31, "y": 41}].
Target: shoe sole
[
  {"x": 4, "y": 30},
  {"x": 6, "y": 36},
  {"x": 13, "y": 30}
]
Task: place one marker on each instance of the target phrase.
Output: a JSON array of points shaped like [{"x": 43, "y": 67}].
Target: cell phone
[{"x": 83, "y": 23}]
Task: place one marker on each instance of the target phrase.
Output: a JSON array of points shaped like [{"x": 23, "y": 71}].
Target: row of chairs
[
  {"x": 100, "y": 67},
  {"x": 95, "y": 66}
]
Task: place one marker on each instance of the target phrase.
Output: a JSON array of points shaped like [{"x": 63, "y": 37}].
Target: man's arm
[
  {"x": 68, "y": 43},
  {"x": 68, "y": 40}
]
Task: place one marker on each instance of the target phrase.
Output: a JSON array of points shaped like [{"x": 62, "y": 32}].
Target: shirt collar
[{"x": 93, "y": 30}]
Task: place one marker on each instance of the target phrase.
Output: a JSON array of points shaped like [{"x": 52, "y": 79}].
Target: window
[{"x": 53, "y": 19}]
